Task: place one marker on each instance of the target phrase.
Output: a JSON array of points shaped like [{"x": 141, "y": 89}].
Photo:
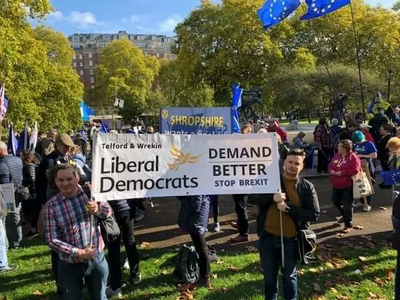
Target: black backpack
[{"x": 187, "y": 269}]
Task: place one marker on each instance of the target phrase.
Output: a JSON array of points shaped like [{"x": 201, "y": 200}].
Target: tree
[
  {"x": 125, "y": 73},
  {"x": 219, "y": 44}
]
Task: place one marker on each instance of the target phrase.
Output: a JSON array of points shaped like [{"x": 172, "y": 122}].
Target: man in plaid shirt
[{"x": 67, "y": 231}]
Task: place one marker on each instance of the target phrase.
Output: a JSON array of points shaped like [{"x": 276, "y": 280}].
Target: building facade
[{"x": 88, "y": 47}]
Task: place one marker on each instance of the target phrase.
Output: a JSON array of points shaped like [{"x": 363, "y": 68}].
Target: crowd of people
[{"x": 57, "y": 173}]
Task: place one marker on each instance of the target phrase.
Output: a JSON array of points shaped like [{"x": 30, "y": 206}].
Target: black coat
[
  {"x": 307, "y": 212},
  {"x": 193, "y": 214}
]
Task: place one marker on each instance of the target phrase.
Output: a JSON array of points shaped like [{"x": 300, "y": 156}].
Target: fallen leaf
[
  {"x": 324, "y": 212},
  {"x": 187, "y": 295},
  {"x": 372, "y": 295},
  {"x": 37, "y": 293},
  {"x": 362, "y": 258},
  {"x": 335, "y": 291},
  {"x": 225, "y": 289},
  {"x": 233, "y": 268},
  {"x": 220, "y": 262},
  {"x": 317, "y": 288},
  {"x": 144, "y": 245},
  {"x": 251, "y": 249},
  {"x": 329, "y": 265},
  {"x": 313, "y": 270},
  {"x": 382, "y": 208},
  {"x": 358, "y": 227},
  {"x": 156, "y": 261},
  {"x": 164, "y": 272},
  {"x": 339, "y": 235},
  {"x": 328, "y": 284},
  {"x": 389, "y": 274},
  {"x": 215, "y": 276}
]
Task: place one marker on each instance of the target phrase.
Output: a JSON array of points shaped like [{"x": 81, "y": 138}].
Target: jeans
[
  {"x": 3, "y": 246},
  {"x": 397, "y": 280},
  {"x": 95, "y": 273},
  {"x": 323, "y": 159},
  {"x": 199, "y": 241},
  {"x": 126, "y": 224},
  {"x": 241, "y": 211},
  {"x": 215, "y": 207},
  {"x": 343, "y": 200},
  {"x": 271, "y": 262},
  {"x": 14, "y": 227}
]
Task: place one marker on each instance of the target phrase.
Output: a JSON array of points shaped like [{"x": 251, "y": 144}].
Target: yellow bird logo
[{"x": 181, "y": 158}]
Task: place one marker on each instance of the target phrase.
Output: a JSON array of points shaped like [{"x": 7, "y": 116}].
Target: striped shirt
[
  {"x": 67, "y": 225},
  {"x": 15, "y": 165}
]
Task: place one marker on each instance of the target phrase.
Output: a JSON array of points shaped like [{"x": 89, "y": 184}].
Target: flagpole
[{"x": 358, "y": 58}]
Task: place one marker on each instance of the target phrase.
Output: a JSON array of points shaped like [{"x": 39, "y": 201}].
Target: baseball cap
[{"x": 65, "y": 139}]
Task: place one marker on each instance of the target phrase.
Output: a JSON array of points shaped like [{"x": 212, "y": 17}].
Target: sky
[{"x": 134, "y": 16}]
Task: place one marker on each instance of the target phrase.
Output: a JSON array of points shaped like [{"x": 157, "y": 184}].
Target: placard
[{"x": 129, "y": 166}]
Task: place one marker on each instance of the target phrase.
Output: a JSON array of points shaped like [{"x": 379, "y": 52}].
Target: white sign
[
  {"x": 119, "y": 103},
  {"x": 8, "y": 194},
  {"x": 129, "y": 166}
]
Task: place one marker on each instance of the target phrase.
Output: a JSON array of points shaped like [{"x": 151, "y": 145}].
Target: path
[{"x": 160, "y": 230}]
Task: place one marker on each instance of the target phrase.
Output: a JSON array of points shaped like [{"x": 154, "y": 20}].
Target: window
[
  {"x": 74, "y": 64},
  {"x": 90, "y": 55},
  {"x": 81, "y": 72},
  {"x": 74, "y": 56},
  {"x": 91, "y": 71},
  {"x": 81, "y": 64},
  {"x": 91, "y": 79},
  {"x": 80, "y": 56},
  {"x": 90, "y": 63}
]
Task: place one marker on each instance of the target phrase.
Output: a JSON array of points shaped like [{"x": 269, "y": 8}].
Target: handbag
[
  {"x": 361, "y": 186},
  {"x": 21, "y": 192},
  {"x": 307, "y": 244},
  {"x": 109, "y": 228}
]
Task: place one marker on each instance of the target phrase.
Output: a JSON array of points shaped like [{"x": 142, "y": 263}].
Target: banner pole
[
  {"x": 358, "y": 58},
  {"x": 282, "y": 245}
]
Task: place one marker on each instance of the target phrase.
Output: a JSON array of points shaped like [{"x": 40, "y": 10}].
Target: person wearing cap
[
  {"x": 44, "y": 190},
  {"x": 364, "y": 128}
]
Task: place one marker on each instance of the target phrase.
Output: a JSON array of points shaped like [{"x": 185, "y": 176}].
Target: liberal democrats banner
[
  {"x": 129, "y": 166},
  {"x": 198, "y": 120}
]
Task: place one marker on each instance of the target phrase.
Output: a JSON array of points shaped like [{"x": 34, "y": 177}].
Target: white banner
[{"x": 129, "y": 166}]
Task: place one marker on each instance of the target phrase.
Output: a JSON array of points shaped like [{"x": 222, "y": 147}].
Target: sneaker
[
  {"x": 137, "y": 278},
  {"x": 367, "y": 207},
  {"x": 110, "y": 292},
  {"x": 9, "y": 268},
  {"x": 347, "y": 229},
  {"x": 216, "y": 228},
  {"x": 240, "y": 239},
  {"x": 31, "y": 234},
  {"x": 358, "y": 204},
  {"x": 126, "y": 264}
]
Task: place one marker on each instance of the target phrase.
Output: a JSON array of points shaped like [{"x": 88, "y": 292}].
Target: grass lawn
[{"x": 351, "y": 272}]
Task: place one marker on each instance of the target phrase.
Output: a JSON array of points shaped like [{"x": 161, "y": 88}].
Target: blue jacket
[{"x": 194, "y": 212}]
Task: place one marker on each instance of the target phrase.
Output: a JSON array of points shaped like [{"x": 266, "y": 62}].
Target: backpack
[{"x": 187, "y": 269}]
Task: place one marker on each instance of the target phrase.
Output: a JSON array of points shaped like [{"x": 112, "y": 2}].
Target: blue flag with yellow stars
[
  {"x": 319, "y": 8},
  {"x": 275, "y": 11}
]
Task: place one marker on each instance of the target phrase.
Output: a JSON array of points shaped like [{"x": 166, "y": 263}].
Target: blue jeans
[
  {"x": 95, "y": 273},
  {"x": 14, "y": 227},
  {"x": 3, "y": 246},
  {"x": 397, "y": 280},
  {"x": 271, "y": 262}
]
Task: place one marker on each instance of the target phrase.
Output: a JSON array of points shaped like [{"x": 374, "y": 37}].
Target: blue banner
[{"x": 198, "y": 120}]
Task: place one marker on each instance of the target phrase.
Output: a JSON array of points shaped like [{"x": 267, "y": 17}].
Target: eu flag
[
  {"x": 275, "y": 11},
  {"x": 319, "y": 8}
]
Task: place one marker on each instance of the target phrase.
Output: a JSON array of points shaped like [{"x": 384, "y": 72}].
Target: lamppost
[{"x": 389, "y": 77}]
